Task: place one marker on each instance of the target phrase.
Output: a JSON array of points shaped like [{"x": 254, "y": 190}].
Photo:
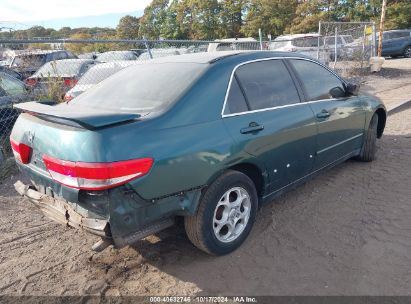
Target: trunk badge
[{"x": 31, "y": 137}]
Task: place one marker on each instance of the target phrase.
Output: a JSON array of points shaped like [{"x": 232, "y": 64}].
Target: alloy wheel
[{"x": 231, "y": 214}]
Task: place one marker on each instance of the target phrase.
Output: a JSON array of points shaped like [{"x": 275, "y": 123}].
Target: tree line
[{"x": 213, "y": 19}]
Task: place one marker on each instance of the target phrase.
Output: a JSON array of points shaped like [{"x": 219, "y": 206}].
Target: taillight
[
  {"x": 68, "y": 97},
  {"x": 21, "y": 152},
  {"x": 70, "y": 82},
  {"x": 31, "y": 82},
  {"x": 96, "y": 176}
]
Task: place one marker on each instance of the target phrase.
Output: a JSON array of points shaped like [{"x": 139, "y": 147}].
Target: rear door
[
  {"x": 264, "y": 115},
  {"x": 340, "y": 121}
]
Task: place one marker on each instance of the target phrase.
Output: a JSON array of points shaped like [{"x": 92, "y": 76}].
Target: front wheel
[
  {"x": 407, "y": 52},
  {"x": 369, "y": 147},
  {"x": 225, "y": 215}
]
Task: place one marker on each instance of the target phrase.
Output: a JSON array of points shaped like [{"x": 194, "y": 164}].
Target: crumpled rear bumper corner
[{"x": 62, "y": 212}]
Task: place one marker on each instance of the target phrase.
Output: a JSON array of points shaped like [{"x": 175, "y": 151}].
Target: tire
[
  {"x": 369, "y": 147},
  {"x": 407, "y": 52},
  {"x": 220, "y": 204}
]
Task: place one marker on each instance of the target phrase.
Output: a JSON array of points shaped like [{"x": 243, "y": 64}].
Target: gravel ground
[
  {"x": 392, "y": 84},
  {"x": 346, "y": 232}
]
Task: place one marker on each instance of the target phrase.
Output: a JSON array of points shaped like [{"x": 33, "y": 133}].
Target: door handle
[
  {"x": 253, "y": 127},
  {"x": 323, "y": 114}
]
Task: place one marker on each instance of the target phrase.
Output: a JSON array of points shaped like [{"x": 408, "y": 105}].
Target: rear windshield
[
  {"x": 58, "y": 68},
  {"x": 142, "y": 88},
  {"x": 29, "y": 60}
]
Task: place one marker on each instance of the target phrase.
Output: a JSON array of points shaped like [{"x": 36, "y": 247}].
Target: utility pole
[{"x": 383, "y": 9}]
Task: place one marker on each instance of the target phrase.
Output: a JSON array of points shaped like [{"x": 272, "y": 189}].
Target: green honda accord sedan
[{"x": 207, "y": 137}]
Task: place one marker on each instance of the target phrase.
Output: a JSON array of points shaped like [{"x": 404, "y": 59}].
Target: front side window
[
  {"x": 267, "y": 84},
  {"x": 317, "y": 80}
]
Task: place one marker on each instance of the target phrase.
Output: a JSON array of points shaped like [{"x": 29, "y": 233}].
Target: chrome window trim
[{"x": 277, "y": 107}]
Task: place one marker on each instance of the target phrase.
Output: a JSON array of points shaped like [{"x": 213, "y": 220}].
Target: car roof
[
  {"x": 115, "y": 52},
  {"x": 39, "y": 52},
  {"x": 113, "y": 64},
  {"x": 249, "y": 39},
  {"x": 293, "y": 36},
  {"x": 211, "y": 57},
  {"x": 393, "y": 31},
  {"x": 65, "y": 61}
]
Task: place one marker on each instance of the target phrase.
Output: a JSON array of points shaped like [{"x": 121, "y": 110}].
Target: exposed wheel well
[
  {"x": 382, "y": 118},
  {"x": 254, "y": 173}
]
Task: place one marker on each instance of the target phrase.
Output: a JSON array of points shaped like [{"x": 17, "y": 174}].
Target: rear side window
[
  {"x": 395, "y": 35},
  {"x": 267, "y": 84},
  {"x": 317, "y": 80},
  {"x": 235, "y": 100}
]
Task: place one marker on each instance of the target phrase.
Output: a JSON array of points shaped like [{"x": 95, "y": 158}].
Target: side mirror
[
  {"x": 352, "y": 88},
  {"x": 337, "y": 92}
]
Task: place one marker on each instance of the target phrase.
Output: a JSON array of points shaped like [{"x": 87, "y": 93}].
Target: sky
[{"x": 20, "y": 14}]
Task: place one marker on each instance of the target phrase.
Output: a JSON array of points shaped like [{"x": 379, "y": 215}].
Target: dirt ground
[{"x": 346, "y": 232}]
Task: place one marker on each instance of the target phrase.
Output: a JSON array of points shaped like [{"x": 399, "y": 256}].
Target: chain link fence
[
  {"x": 60, "y": 70},
  {"x": 350, "y": 45}
]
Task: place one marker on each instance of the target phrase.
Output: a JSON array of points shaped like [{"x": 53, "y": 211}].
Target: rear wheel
[
  {"x": 407, "y": 52},
  {"x": 369, "y": 147},
  {"x": 225, "y": 215}
]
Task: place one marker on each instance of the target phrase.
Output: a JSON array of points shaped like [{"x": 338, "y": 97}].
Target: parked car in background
[
  {"x": 359, "y": 49},
  {"x": 157, "y": 53},
  {"x": 12, "y": 90},
  {"x": 116, "y": 56},
  {"x": 336, "y": 45},
  {"x": 233, "y": 44},
  {"x": 396, "y": 43},
  {"x": 7, "y": 70},
  {"x": 60, "y": 75},
  {"x": 28, "y": 63},
  {"x": 208, "y": 137},
  {"x": 307, "y": 44},
  {"x": 92, "y": 55},
  {"x": 138, "y": 52},
  {"x": 95, "y": 75}
]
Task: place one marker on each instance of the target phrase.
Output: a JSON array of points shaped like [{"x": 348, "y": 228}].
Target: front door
[
  {"x": 340, "y": 121},
  {"x": 265, "y": 117}
]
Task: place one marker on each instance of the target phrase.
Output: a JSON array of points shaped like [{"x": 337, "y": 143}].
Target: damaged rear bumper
[{"x": 62, "y": 212}]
